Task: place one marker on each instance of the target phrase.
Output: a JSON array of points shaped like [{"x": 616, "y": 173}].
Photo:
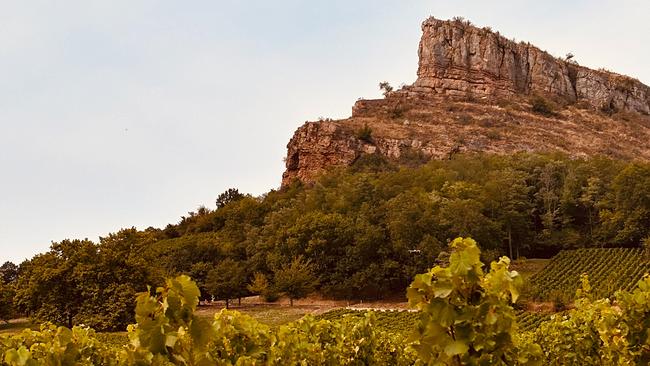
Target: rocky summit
[{"x": 478, "y": 91}]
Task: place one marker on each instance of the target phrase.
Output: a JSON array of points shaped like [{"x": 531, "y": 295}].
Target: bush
[
  {"x": 372, "y": 163},
  {"x": 364, "y": 133},
  {"x": 542, "y": 106}
]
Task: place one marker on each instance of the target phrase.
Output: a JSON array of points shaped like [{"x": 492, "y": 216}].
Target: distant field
[
  {"x": 527, "y": 268},
  {"x": 609, "y": 270},
  {"x": 271, "y": 314}
]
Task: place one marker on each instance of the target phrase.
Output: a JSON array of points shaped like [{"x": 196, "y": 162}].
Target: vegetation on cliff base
[{"x": 366, "y": 231}]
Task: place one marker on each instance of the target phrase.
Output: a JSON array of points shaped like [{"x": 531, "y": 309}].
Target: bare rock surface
[{"x": 458, "y": 58}]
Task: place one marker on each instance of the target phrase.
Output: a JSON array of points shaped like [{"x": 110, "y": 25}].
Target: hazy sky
[{"x": 131, "y": 113}]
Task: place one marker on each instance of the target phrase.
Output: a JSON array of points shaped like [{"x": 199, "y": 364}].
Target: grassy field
[{"x": 271, "y": 314}]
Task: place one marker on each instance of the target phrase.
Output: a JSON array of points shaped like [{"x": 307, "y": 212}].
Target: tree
[
  {"x": 79, "y": 282},
  {"x": 589, "y": 198},
  {"x": 296, "y": 280},
  {"x": 507, "y": 194},
  {"x": 462, "y": 212},
  {"x": 385, "y": 87},
  {"x": 260, "y": 286},
  {"x": 230, "y": 195},
  {"x": 227, "y": 280},
  {"x": 6, "y": 302},
  {"x": 629, "y": 219},
  {"x": 53, "y": 284},
  {"x": 199, "y": 274},
  {"x": 8, "y": 272}
]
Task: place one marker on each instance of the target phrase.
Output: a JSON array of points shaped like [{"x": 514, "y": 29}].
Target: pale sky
[{"x": 132, "y": 113}]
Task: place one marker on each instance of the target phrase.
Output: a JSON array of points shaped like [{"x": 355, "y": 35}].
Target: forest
[{"x": 361, "y": 232}]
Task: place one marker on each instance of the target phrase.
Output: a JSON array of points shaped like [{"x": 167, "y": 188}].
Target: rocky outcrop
[
  {"x": 457, "y": 58},
  {"x": 472, "y": 95}
]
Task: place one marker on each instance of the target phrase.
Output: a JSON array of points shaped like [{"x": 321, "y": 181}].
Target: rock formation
[
  {"x": 457, "y": 58},
  {"x": 473, "y": 94}
]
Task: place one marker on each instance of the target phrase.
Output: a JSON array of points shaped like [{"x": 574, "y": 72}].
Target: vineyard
[
  {"x": 397, "y": 322},
  {"x": 400, "y": 322},
  {"x": 528, "y": 321},
  {"x": 609, "y": 270},
  {"x": 465, "y": 316}
]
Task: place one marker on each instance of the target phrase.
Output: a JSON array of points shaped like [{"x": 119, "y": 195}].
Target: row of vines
[
  {"x": 609, "y": 270},
  {"x": 403, "y": 322}
]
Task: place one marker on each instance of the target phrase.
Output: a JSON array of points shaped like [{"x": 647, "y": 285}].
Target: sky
[{"x": 129, "y": 113}]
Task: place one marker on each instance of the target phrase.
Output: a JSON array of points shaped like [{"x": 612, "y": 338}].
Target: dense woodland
[{"x": 358, "y": 232}]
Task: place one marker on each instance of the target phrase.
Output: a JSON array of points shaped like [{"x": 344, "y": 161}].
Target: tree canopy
[{"x": 365, "y": 230}]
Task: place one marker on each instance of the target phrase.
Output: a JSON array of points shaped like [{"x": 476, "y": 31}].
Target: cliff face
[
  {"x": 472, "y": 95},
  {"x": 456, "y": 58}
]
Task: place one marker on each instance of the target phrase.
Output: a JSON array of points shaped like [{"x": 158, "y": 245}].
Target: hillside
[{"x": 478, "y": 91}]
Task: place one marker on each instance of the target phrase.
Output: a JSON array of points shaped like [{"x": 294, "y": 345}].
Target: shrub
[
  {"x": 373, "y": 163},
  {"x": 608, "y": 108},
  {"x": 385, "y": 87},
  {"x": 397, "y": 112},
  {"x": 542, "y": 106},
  {"x": 364, "y": 133}
]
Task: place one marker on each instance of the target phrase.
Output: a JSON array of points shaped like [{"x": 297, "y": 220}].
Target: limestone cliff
[
  {"x": 457, "y": 58},
  {"x": 473, "y": 94}
]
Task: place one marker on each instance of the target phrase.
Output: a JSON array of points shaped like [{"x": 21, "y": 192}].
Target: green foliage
[
  {"x": 230, "y": 195},
  {"x": 608, "y": 270},
  {"x": 54, "y": 346},
  {"x": 7, "y": 294},
  {"x": 367, "y": 231},
  {"x": 394, "y": 322},
  {"x": 78, "y": 282},
  {"x": 261, "y": 286},
  {"x": 529, "y": 320},
  {"x": 466, "y": 317},
  {"x": 401, "y": 323},
  {"x": 372, "y": 163},
  {"x": 227, "y": 280},
  {"x": 600, "y": 332},
  {"x": 542, "y": 106},
  {"x": 296, "y": 280},
  {"x": 629, "y": 222},
  {"x": 168, "y": 333},
  {"x": 8, "y": 272}
]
